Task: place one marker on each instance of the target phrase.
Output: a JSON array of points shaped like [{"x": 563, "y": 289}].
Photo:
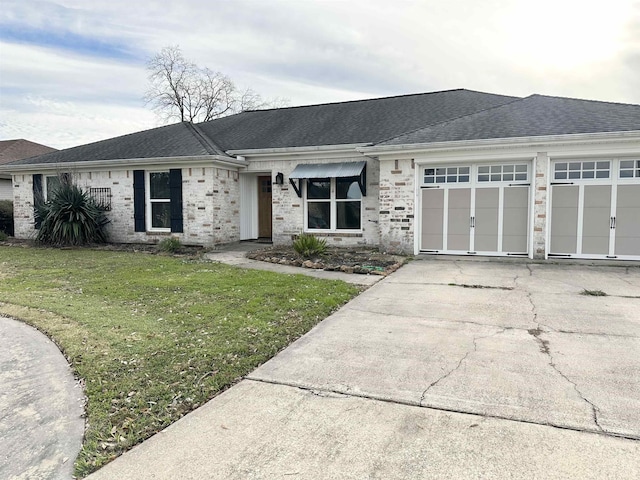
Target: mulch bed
[
  {"x": 349, "y": 260},
  {"x": 149, "y": 248}
]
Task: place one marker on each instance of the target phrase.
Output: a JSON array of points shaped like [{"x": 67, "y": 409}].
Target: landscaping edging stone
[{"x": 358, "y": 261}]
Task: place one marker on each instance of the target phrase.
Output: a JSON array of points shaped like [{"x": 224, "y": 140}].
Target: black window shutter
[
  {"x": 138, "y": 201},
  {"x": 38, "y": 198},
  {"x": 175, "y": 189}
]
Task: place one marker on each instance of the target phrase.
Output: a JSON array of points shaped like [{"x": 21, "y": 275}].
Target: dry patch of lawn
[{"x": 154, "y": 337}]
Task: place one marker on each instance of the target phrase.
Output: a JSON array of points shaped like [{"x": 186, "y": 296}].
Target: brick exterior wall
[
  {"x": 397, "y": 205},
  {"x": 210, "y": 199},
  {"x": 23, "y": 206}
]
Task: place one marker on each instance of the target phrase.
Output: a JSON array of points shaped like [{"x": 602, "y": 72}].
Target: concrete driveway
[
  {"x": 518, "y": 375},
  {"x": 505, "y": 340}
]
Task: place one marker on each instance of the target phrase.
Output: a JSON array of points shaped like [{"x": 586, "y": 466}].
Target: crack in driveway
[
  {"x": 450, "y": 372},
  {"x": 544, "y": 348}
]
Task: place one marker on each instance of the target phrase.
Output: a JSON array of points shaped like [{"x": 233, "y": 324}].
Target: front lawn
[{"x": 154, "y": 337}]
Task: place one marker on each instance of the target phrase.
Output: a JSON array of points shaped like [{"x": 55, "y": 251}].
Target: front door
[{"x": 264, "y": 207}]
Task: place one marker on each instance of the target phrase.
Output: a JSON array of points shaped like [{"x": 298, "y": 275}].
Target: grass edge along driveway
[{"x": 153, "y": 337}]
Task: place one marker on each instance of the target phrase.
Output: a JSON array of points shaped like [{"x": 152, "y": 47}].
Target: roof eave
[
  {"x": 631, "y": 135},
  {"x": 350, "y": 147},
  {"x": 128, "y": 162}
]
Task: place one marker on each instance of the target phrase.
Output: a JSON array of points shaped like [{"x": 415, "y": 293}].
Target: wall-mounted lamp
[{"x": 279, "y": 178}]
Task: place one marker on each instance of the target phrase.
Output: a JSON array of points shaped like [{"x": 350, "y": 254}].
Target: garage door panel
[
  {"x": 628, "y": 220},
  {"x": 432, "y": 219},
  {"x": 596, "y": 225},
  {"x": 458, "y": 218},
  {"x": 477, "y": 208},
  {"x": 515, "y": 219},
  {"x": 486, "y": 224},
  {"x": 564, "y": 219}
]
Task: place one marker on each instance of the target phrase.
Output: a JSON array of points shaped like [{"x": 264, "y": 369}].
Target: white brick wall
[
  {"x": 23, "y": 206},
  {"x": 397, "y": 205},
  {"x": 209, "y": 198}
]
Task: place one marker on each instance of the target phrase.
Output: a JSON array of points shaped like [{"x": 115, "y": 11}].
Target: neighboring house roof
[
  {"x": 536, "y": 115},
  {"x": 11, "y": 150},
  {"x": 343, "y": 123},
  {"x": 177, "y": 140}
]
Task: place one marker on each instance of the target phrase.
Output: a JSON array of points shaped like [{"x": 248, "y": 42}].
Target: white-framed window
[
  {"x": 582, "y": 170},
  {"x": 333, "y": 204},
  {"x": 629, "y": 168},
  {"x": 503, "y": 173},
  {"x": 53, "y": 182},
  {"x": 158, "y": 201},
  {"x": 446, "y": 175}
]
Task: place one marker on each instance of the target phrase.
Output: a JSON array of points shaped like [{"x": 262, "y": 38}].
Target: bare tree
[{"x": 180, "y": 90}]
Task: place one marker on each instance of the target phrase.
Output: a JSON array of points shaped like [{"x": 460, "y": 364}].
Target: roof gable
[{"x": 363, "y": 121}]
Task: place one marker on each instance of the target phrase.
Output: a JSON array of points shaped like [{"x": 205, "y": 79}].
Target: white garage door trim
[
  {"x": 595, "y": 209},
  {"x": 474, "y": 209}
]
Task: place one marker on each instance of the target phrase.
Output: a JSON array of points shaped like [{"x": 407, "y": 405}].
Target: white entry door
[
  {"x": 475, "y": 209},
  {"x": 595, "y": 209}
]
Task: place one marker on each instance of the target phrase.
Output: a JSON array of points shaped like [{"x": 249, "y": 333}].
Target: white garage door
[
  {"x": 480, "y": 209},
  {"x": 595, "y": 209}
]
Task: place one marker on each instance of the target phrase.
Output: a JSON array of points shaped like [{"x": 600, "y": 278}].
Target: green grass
[{"x": 154, "y": 337}]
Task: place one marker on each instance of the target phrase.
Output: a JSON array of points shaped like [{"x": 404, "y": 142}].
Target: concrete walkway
[
  {"x": 41, "y": 406},
  {"x": 235, "y": 254},
  {"x": 446, "y": 369}
]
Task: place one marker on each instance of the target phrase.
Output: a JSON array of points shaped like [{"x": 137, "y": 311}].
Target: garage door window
[
  {"x": 503, "y": 173},
  {"x": 581, "y": 170},
  {"x": 446, "y": 175},
  {"x": 630, "y": 169}
]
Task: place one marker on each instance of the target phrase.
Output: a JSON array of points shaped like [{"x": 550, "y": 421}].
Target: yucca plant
[
  {"x": 71, "y": 217},
  {"x": 309, "y": 245}
]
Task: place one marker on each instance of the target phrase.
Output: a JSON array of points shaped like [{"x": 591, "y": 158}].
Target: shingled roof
[
  {"x": 536, "y": 115},
  {"x": 362, "y": 121},
  {"x": 444, "y": 116},
  {"x": 11, "y": 150},
  {"x": 177, "y": 140}
]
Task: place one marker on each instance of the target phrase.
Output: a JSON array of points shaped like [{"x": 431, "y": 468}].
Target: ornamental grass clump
[
  {"x": 309, "y": 245},
  {"x": 71, "y": 217},
  {"x": 170, "y": 245}
]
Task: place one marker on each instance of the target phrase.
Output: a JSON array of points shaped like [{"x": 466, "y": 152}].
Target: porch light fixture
[{"x": 279, "y": 178}]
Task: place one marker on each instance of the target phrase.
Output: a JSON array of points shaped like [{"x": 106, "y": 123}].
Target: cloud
[
  {"x": 63, "y": 124},
  {"x": 90, "y": 56}
]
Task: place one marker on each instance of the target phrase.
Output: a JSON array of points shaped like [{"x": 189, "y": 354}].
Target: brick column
[{"x": 540, "y": 185}]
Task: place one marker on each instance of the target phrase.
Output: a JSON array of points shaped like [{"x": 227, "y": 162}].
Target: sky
[{"x": 74, "y": 71}]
